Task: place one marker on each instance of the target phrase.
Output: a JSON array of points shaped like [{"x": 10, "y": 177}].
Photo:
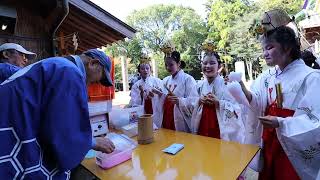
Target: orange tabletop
[{"x": 201, "y": 158}]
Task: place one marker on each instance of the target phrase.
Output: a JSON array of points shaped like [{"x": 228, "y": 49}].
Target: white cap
[{"x": 17, "y": 47}]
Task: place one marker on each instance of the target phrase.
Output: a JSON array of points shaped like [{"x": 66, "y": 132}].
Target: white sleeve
[
  {"x": 160, "y": 85},
  {"x": 230, "y": 121},
  {"x": 157, "y": 105},
  {"x": 230, "y": 117},
  {"x": 164, "y": 83},
  {"x": 187, "y": 104},
  {"x": 256, "y": 89},
  {"x": 307, "y": 114},
  {"x": 197, "y": 110},
  {"x": 235, "y": 90},
  {"x": 189, "y": 101},
  {"x": 257, "y": 108},
  {"x": 300, "y": 135},
  {"x": 253, "y": 127},
  {"x": 135, "y": 96},
  {"x": 318, "y": 61}
]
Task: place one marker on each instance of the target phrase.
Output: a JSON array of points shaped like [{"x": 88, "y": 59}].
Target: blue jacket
[
  {"x": 6, "y": 70},
  {"x": 44, "y": 121}
]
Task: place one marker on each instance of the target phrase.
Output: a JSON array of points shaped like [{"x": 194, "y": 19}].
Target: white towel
[
  {"x": 236, "y": 91},
  {"x": 235, "y": 76}
]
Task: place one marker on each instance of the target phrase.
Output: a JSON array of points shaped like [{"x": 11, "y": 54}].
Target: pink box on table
[{"x": 123, "y": 151}]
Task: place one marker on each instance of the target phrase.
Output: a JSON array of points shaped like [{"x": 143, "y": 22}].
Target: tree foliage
[
  {"x": 222, "y": 18},
  {"x": 227, "y": 24},
  {"x": 229, "y": 21},
  {"x": 160, "y": 23},
  {"x": 290, "y": 6}
]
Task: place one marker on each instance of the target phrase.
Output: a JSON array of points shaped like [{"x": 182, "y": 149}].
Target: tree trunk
[
  {"x": 249, "y": 68},
  {"x": 154, "y": 67},
  {"x": 124, "y": 70}
]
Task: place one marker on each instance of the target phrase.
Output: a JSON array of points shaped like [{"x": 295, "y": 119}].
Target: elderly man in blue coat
[{"x": 44, "y": 120}]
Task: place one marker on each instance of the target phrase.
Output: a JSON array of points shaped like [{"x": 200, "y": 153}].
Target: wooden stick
[
  {"x": 170, "y": 92},
  {"x": 279, "y": 95}
]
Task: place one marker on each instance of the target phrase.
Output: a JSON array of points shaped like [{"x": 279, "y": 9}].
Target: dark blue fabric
[
  {"x": 44, "y": 121},
  {"x": 6, "y": 70}
]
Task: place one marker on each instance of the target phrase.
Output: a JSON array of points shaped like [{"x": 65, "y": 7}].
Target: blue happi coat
[
  {"x": 6, "y": 70},
  {"x": 44, "y": 121}
]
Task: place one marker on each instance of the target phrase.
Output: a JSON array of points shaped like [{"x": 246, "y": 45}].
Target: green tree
[
  {"x": 229, "y": 21},
  {"x": 160, "y": 23},
  {"x": 131, "y": 48},
  {"x": 243, "y": 45},
  {"x": 290, "y": 6},
  {"x": 221, "y": 20},
  {"x": 153, "y": 24},
  {"x": 191, "y": 33}
]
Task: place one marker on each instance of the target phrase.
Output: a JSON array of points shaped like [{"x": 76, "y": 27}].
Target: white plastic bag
[
  {"x": 236, "y": 91},
  {"x": 123, "y": 116}
]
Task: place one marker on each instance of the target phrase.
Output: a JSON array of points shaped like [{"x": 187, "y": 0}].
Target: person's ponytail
[{"x": 182, "y": 64}]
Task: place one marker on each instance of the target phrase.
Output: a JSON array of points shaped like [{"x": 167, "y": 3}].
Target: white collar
[
  {"x": 178, "y": 74},
  {"x": 145, "y": 80},
  {"x": 215, "y": 80},
  {"x": 289, "y": 66}
]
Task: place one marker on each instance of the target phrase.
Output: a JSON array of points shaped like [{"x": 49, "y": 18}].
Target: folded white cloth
[
  {"x": 235, "y": 76},
  {"x": 236, "y": 91}
]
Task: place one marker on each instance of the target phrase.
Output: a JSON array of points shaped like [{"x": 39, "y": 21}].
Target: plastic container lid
[{"x": 123, "y": 151}]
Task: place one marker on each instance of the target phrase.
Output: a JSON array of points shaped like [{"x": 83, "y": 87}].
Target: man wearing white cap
[
  {"x": 15, "y": 54},
  {"x": 12, "y": 58}
]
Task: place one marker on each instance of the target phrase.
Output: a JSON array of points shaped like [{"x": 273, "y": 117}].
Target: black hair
[
  {"x": 11, "y": 51},
  {"x": 183, "y": 64},
  {"x": 309, "y": 59},
  {"x": 286, "y": 37},
  {"x": 1, "y": 56},
  {"x": 140, "y": 66},
  {"x": 175, "y": 55},
  {"x": 211, "y": 54}
]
